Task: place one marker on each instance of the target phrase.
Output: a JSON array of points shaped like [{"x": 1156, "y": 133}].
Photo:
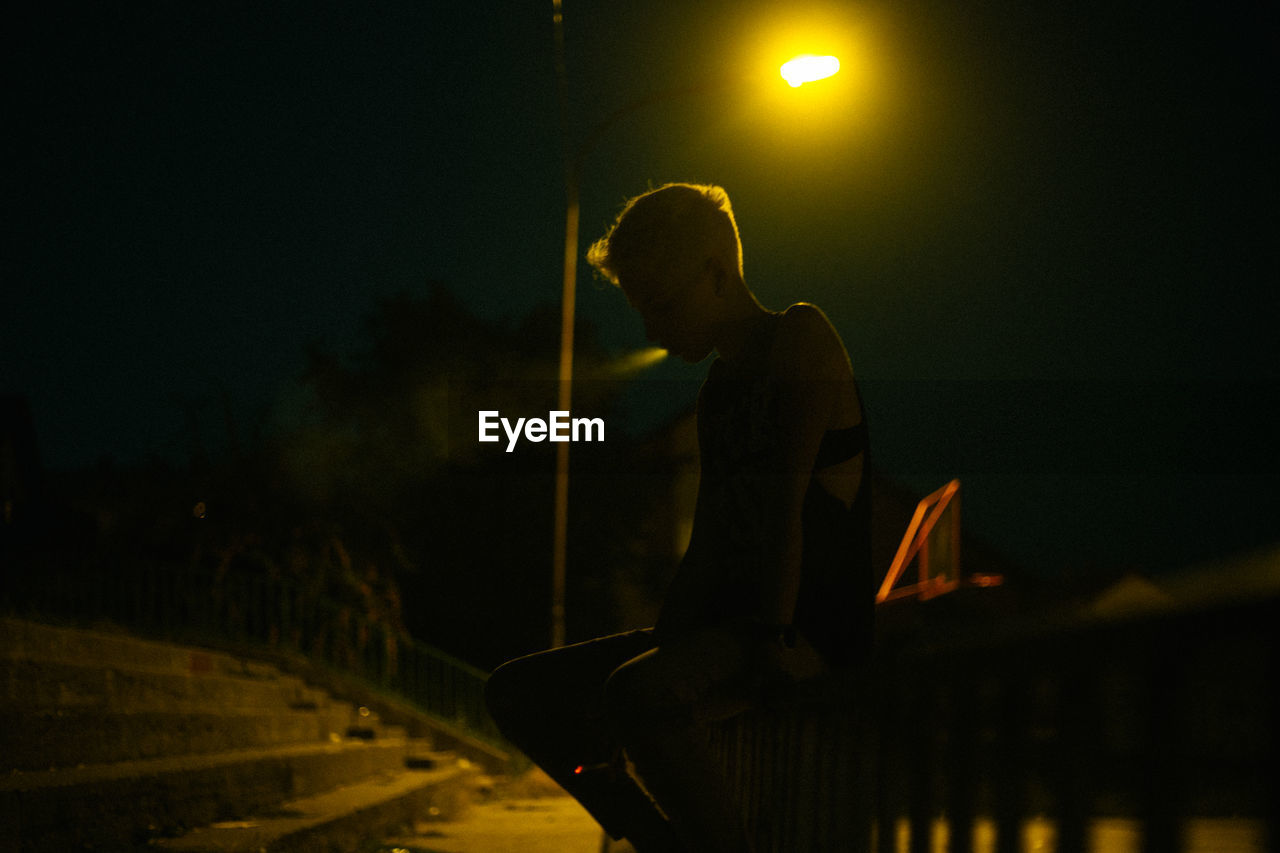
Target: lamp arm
[{"x": 703, "y": 87}]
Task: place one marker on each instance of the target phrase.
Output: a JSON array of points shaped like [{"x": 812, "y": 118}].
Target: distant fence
[{"x": 242, "y": 608}]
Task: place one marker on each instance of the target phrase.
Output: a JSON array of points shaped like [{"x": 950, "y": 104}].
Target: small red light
[{"x": 577, "y": 771}]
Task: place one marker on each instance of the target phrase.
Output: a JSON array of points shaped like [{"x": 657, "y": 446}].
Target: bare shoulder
[
  {"x": 806, "y": 315},
  {"x": 808, "y": 344}
]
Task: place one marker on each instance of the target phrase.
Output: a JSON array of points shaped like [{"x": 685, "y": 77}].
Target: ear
[{"x": 719, "y": 280}]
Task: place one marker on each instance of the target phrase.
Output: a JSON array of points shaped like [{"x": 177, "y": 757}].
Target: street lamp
[{"x": 809, "y": 68}]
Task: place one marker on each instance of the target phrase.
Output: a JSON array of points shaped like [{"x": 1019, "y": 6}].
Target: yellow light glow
[
  {"x": 902, "y": 836},
  {"x": 1116, "y": 835},
  {"x": 634, "y": 362},
  {"x": 807, "y": 68},
  {"x": 940, "y": 836},
  {"x": 1039, "y": 835},
  {"x": 984, "y": 835},
  {"x": 836, "y": 119}
]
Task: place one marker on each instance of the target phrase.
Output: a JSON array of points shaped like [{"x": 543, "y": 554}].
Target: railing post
[
  {"x": 960, "y": 776},
  {"x": 918, "y": 761},
  {"x": 1161, "y": 794},
  {"x": 1077, "y": 750},
  {"x": 884, "y": 723}
]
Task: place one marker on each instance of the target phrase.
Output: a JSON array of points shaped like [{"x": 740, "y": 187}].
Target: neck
[{"x": 742, "y": 322}]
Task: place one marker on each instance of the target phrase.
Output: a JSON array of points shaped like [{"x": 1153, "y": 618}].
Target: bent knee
[
  {"x": 620, "y": 690},
  {"x": 503, "y": 688},
  {"x": 506, "y": 693},
  {"x": 623, "y": 701},
  {"x": 637, "y": 706}
]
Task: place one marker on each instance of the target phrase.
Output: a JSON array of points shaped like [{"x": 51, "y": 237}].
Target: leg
[
  {"x": 550, "y": 705},
  {"x": 660, "y": 703}
]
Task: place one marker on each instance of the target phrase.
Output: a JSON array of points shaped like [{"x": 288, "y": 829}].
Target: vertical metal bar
[
  {"x": 568, "y": 295},
  {"x": 1071, "y": 753},
  {"x": 961, "y": 779},
  {"x": 1161, "y": 797}
]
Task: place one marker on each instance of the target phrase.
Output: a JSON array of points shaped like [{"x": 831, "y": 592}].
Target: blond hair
[{"x": 678, "y": 226}]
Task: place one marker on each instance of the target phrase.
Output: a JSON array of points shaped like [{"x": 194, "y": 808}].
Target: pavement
[
  {"x": 543, "y": 825},
  {"x": 526, "y": 815}
]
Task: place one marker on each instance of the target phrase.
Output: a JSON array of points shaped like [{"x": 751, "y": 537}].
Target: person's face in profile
[{"x": 676, "y": 305}]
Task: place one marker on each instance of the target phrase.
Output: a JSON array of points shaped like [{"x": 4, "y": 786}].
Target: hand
[{"x": 782, "y": 658}]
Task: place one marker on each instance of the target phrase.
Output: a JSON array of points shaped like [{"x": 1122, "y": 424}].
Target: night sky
[{"x": 1047, "y": 235}]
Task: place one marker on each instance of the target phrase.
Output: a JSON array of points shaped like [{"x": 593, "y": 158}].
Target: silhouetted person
[{"x": 776, "y": 582}]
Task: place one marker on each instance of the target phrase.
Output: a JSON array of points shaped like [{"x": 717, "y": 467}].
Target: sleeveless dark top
[{"x": 737, "y": 440}]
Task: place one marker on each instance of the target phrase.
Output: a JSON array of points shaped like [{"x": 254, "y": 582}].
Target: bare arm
[
  {"x": 809, "y": 366},
  {"x": 747, "y": 530}
]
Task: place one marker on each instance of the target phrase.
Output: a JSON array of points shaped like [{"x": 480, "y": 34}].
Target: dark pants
[{"x": 580, "y": 710}]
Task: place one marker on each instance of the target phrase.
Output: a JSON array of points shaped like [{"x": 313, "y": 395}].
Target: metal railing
[
  {"x": 1068, "y": 729},
  {"x": 1161, "y": 719},
  {"x": 249, "y": 610}
]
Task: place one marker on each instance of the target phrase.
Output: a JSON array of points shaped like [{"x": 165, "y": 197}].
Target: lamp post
[
  {"x": 797, "y": 71},
  {"x": 573, "y": 171}
]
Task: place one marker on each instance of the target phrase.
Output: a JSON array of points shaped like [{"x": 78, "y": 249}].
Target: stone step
[
  {"x": 71, "y": 706},
  {"x": 61, "y": 739},
  {"x": 126, "y": 804},
  {"x": 346, "y": 818},
  {"x": 33, "y": 641},
  {"x": 60, "y": 685}
]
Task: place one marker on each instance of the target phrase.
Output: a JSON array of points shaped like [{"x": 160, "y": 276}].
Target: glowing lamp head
[{"x": 807, "y": 68}]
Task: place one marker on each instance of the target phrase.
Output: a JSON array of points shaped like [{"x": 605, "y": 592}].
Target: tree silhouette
[
  {"x": 390, "y": 456},
  {"x": 379, "y": 497}
]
